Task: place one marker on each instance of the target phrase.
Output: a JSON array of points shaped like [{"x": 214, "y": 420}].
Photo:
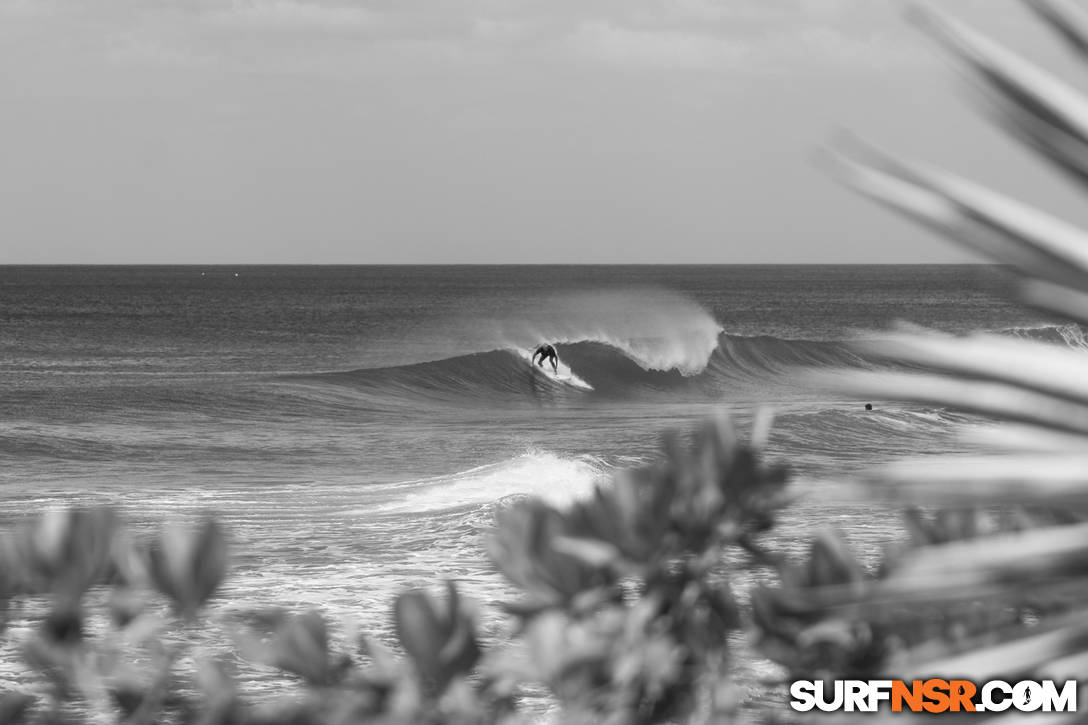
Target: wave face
[
  {"x": 736, "y": 367},
  {"x": 358, "y": 428}
]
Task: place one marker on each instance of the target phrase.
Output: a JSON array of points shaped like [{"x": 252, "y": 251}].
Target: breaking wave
[
  {"x": 1070, "y": 335},
  {"x": 734, "y": 364},
  {"x": 620, "y": 366}
]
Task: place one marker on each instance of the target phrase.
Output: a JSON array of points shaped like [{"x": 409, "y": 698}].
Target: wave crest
[
  {"x": 1070, "y": 335},
  {"x": 736, "y": 366},
  {"x": 615, "y": 363},
  {"x": 657, "y": 329}
]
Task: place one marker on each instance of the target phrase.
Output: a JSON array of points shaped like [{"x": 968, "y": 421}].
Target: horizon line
[{"x": 504, "y": 264}]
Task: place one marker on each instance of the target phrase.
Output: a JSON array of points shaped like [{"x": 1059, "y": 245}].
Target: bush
[{"x": 626, "y": 610}]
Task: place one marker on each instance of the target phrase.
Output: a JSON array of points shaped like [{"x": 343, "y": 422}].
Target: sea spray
[{"x": 658, "y": 329}]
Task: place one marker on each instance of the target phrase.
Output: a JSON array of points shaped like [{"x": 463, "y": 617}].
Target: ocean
[{"x": 355, "y": 428}]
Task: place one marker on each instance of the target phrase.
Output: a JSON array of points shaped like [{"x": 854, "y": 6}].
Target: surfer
[{"x": 546, "y": 352}]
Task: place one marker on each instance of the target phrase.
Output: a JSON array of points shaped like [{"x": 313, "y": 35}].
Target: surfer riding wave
[{"x": 546, "y": 352}]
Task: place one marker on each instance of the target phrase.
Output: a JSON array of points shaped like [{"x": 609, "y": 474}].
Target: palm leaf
[
  {"x": 1025, "y": 582},
  {"x": 1047, "y": 113}
]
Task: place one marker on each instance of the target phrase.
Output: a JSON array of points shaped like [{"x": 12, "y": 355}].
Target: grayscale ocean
[{"x": 356, "y": 428}]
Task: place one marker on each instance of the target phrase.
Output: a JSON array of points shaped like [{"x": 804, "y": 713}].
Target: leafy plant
[
  {"x": 993, "y": 582},
  {"x": 70, "y": 556},
  {"x": 628, "y": 606},
  {"x": 626, "y": 610}
]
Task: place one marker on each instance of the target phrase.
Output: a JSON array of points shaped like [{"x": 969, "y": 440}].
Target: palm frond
[
  {"x": 1067, "y": 19},
  {"x": 1052, "y": 480},
  {"x": 994, "y": 580},
  {"x": 997, "y": 400},
  {"x": 1069, "y": 303},
  {"x": 1022, "y": 363},
  {"x": 999, "y": 227},
  {"x": 1047, "y": 113}
]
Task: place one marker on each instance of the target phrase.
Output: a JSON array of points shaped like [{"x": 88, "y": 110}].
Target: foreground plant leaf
[
  {"x": 1065, "y": 18},
  {"x": 15, "y": 707},
  {"x": 301, "y": 646},
  {"x": 625, "y": 609},
  {"x": 993, "y": 583},
  {"x": 1047, "y": 113},
  {"x": 65, "y": 552},
  {"x": 1041, "y": 368},
  {"x": 440, "y": 637},
  {"x": 1022, "y": 655},
  {"x": 1051, "y": 479},
  {"x": 187, "y": 564},
  {"x": 524, "y": 547},
  {"x": 998, "y": 400}
]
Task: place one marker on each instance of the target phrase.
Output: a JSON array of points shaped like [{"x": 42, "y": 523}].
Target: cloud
[
  {"x": 638, "y": 48},
  {"x": 729, "y": 35},
  {"x": 801, "y": 49},
  {"x": 296, "y": 16},
  {"x": 338, "y": 36}
]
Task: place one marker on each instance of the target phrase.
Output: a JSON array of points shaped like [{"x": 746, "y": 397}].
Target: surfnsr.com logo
[{"x": 933, "y": 696}]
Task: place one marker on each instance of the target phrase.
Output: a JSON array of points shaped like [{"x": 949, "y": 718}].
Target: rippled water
[{"x": 355, "y": 427}]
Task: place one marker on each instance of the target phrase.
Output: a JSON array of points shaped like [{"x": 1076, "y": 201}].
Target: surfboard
[{"x": 563, "y": 374}]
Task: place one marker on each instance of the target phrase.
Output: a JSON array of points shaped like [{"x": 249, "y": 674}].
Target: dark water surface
[{"x": 355, "y": 427}]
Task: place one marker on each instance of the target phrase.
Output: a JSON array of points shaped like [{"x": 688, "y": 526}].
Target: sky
[{"x": 484, "y": 131}]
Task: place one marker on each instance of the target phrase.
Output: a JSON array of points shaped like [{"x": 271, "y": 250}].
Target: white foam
[
  {"x": 557, "y": 479},
  {"x": 1073, "y": 336},
  {"x": 658, "y": 329}
]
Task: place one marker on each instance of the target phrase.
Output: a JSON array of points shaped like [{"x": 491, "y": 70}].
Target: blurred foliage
[
  {"x": 627, "y": 603},
  {"x": 991, "y": 583},
  {"x": 624, "y": 617}
]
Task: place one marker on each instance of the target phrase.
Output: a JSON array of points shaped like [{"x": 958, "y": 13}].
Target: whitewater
[{"x": 357, "y": 428}]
